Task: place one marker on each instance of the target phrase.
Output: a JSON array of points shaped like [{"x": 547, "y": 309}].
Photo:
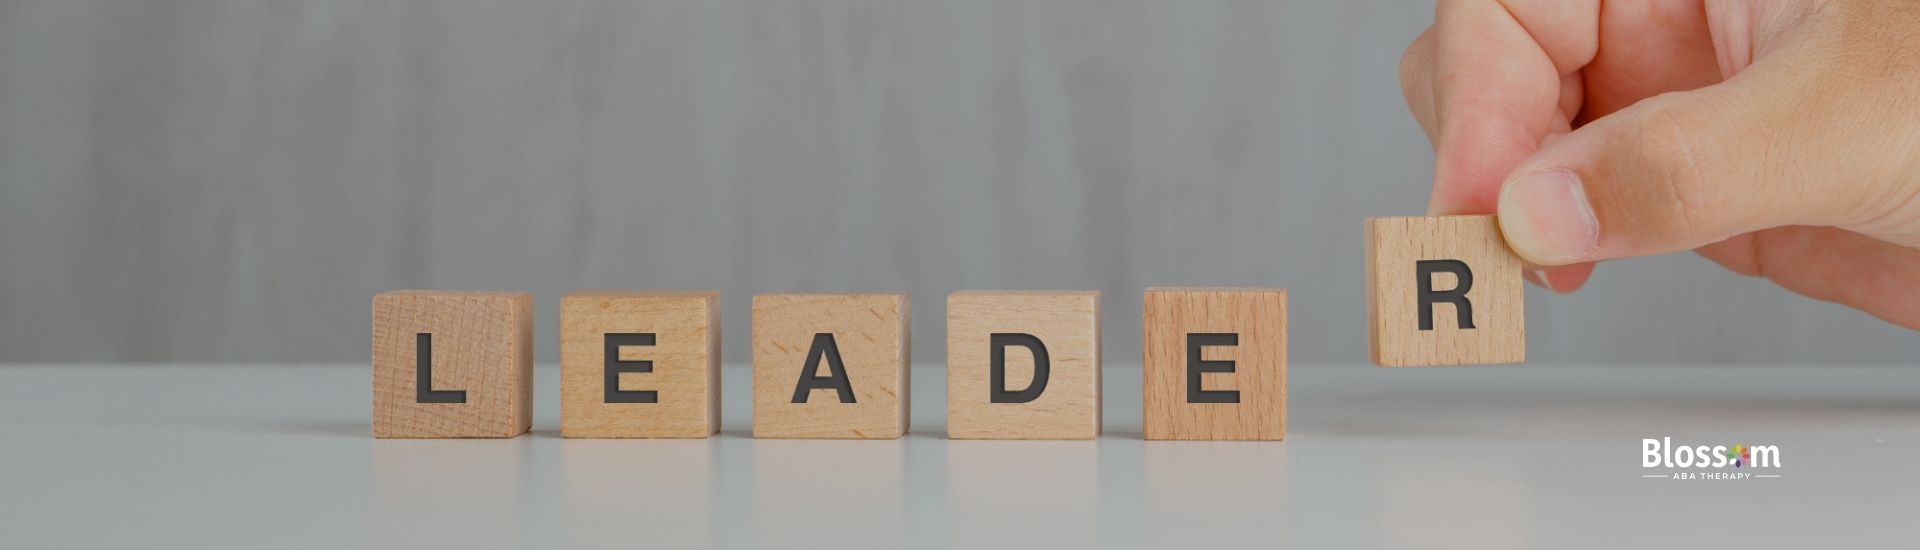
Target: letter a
[{"x": 836, "y": 378}]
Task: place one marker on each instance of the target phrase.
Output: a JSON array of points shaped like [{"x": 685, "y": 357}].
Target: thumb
[{"x": 1678, "y": 171}]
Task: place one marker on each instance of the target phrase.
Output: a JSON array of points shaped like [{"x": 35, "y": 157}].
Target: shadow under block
[
  {"x": 830, "y": 366},
  {"x": 477, "y": 350},
  {"x": 658, "y": 350},
  {"x": 1021, "y": 329},
  {"x": 1214, "y": 363},
  {"x": 1443, "y": 290}
]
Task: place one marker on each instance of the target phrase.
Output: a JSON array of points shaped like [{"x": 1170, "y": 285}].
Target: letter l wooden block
[
  {"x": 639, "y": 363},
  {"x": 1443, "y": 290},
  {"x": 450, "y": 364},
  {"x": 1023, "y": 365},
  {"x": 831, "y": 366},
  {"x": 1215, "y": 363}
]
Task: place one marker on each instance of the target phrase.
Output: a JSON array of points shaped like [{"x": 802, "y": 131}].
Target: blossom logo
[{"x": 1708, "y": 462}]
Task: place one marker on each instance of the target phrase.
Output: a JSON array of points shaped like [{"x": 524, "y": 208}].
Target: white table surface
[{"x": 1468, "y": 457}]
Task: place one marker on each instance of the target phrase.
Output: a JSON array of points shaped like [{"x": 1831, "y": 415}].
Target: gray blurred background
[{"x": 234, "y": 181}]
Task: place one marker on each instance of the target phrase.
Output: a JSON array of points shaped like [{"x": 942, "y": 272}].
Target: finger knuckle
[
  {"x": 1408, "y": 64},
  {"x": 1413, "y": 61}
]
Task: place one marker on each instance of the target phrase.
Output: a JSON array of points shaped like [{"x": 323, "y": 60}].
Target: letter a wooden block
[
  {"x": 639, "y": 363},
  {"x": 1215, "y": 363},
  {"x": 1023, "y": 365},
  {"x": 452, "y": 364},
  {"x": 1443, "y": 290},
  {"x": 830, "y": 366}
]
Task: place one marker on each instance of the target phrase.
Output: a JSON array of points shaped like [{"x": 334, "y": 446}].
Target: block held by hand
[{"x": 1443, "y": 290}]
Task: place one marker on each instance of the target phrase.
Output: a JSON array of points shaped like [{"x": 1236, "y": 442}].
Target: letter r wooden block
[
  {"x": 1215, "y": 363},
  {"x": 830, "y": 366},
  {"x": 1443, "y": 290},
  {"x": 639, "y": 363},
  {"x": 1023, "y": 365},
  {"x": 450, "y": 364}
]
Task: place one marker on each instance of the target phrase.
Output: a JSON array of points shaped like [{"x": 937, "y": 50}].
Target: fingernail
[{"x": 1547, "y": 219}]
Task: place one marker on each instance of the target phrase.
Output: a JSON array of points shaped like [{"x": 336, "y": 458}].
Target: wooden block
[
  {"x": 1215, "y": 363},
  {"x": 830, "y": 366},
  {"x": 450, "y": 364},
  {"x": 639, "y": 363},
  {"x": 1021, "y": 329},
  {"x": 1443, "y": 290}
]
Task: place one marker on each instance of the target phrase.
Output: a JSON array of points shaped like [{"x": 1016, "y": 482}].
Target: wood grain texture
[
  {"x": 686, "y": 363},
  {"x": 1394, "y": 245},
  {"x": 482, "y": 344},
  {"x": 1258, "y": 316},
  {"x": 1067, "y": 323},
  {"x": 872, "y": 334}
]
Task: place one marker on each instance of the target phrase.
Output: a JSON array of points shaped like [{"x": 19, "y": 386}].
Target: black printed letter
[
  {"x": 1196, "y": 367},
  {"x": 1463, "y": 309},
  {"x": 423, "y": 391},
  {"x": 836, "y": 379},
  {"x": 615, "y": 367},
  {"x": 998, "y": 365}
]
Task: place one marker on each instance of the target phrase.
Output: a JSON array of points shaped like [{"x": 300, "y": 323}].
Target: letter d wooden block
[
  {"x": 1215, "y": 363},
  {"x": 1023, "y": 365},
  {"x": 830, "y": 366},
  {"x": 639, "y": 364},
  {"x": 452, "y": 364},
  {"x": 1443, "y": 290}
]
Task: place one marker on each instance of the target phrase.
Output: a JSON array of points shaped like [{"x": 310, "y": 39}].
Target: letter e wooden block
[
  {"x": 830, "y": 366},
  {"x": 1443, "y": 290},
  {"x": 1215, "y": 363},
  {"x": 450, "y": 364},
  {"x": 1023, "y": 365},
  {"x": 639, "y": 364}
]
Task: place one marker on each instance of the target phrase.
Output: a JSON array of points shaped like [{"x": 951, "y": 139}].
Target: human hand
[{"x": 1780, "y": 139}]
